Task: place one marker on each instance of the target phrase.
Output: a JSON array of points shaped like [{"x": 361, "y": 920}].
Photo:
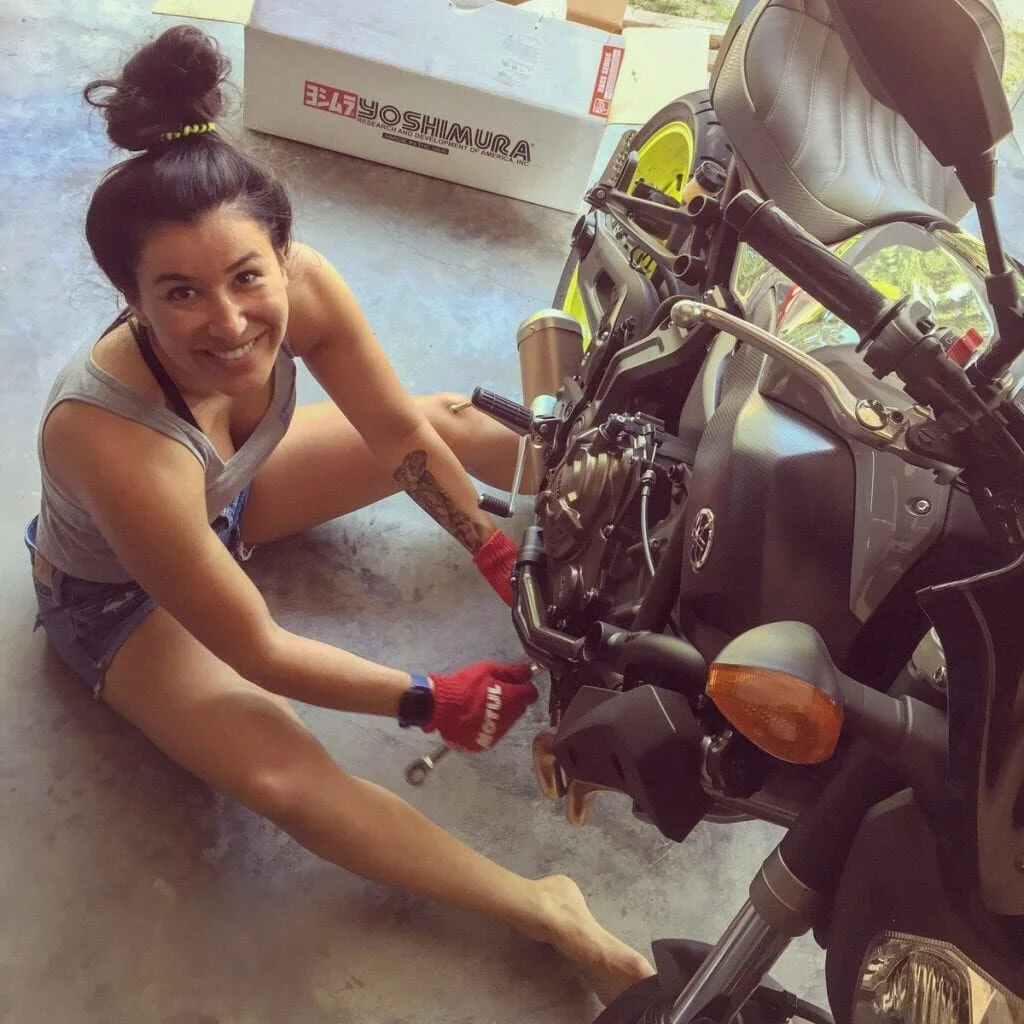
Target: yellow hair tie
[{"x": 188, "y": 129}]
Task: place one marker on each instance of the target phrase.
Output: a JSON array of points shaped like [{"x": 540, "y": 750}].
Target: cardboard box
[
  {"x": 491, "y": 96},
  {"x": 602, "y": 14},
  {"x": 660, "y": 65}
]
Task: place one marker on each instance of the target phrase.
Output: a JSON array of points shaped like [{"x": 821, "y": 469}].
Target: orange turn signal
[{"x": 784, "y": 716}]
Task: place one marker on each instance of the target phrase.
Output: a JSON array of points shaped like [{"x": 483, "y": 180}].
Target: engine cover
[{"x": 584, "y": 495}]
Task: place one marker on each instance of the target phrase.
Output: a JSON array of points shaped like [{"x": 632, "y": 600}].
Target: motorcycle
[{"x": 778, "y": 545}]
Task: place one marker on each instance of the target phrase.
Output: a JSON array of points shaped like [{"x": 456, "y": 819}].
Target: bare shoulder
[
  {"x": 321, "y": 305},
  {"x": 117, "y": 354},
  {"x": 90, "y": 451}
]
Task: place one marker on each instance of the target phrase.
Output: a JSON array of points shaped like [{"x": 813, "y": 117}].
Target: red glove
[
  {"x": 496, "y": 559},
  {"x": 475, "y": 706}
]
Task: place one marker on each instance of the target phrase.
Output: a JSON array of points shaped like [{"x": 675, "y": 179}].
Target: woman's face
[{"x": 213, "y": 295}]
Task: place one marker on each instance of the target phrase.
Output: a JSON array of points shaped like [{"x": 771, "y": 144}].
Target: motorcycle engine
[
  {"x": 575, "y": 515},
  {"x": 613, "y": 480},
  {"x": 590, "y": 511}
]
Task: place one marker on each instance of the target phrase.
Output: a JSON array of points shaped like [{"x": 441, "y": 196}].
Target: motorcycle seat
[{"x": 809, "y": 134}]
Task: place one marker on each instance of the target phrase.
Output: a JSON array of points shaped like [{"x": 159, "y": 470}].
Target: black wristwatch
[{"x": 416, "y": 705}]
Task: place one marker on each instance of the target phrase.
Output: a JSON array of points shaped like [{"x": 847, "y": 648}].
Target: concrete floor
[{"x": 128, "y": 891}]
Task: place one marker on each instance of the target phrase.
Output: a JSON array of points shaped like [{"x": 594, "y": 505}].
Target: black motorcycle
[{"x": 778, "y": 553}]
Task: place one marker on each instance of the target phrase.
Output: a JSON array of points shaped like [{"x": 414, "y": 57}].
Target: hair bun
[{"x": 174, "y": 80}]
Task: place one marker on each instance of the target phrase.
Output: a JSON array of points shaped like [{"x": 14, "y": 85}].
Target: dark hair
[{"x": 174, "y": 80}]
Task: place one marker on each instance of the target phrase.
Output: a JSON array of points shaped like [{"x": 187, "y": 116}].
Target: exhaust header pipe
[
  {"x": 529, "y": 615},
  {"x": 621, "y": 649},
  {"x": 604, "y": 644}
]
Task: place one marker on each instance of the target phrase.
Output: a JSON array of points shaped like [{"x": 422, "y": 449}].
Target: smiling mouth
[{"x": 235, "y": 353}]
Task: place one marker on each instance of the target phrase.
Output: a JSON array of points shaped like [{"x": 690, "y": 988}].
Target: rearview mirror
[{"x": 929, "y": 61}]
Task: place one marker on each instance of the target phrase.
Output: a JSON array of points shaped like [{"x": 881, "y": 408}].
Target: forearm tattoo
[{"x": 414, "y": 478}]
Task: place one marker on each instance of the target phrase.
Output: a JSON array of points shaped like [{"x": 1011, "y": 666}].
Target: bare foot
[{"x": 607, "y": 963}]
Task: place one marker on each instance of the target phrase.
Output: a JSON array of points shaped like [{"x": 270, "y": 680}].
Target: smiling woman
[
  {"x": 172, "y": 444},
  {"x": 219, "y": 320}
]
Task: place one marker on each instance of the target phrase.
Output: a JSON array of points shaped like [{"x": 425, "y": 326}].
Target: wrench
[{"x": 417, "y": 771}]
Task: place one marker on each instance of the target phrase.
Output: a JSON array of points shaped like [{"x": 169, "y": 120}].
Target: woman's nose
[{"x": 225, "y": 319}]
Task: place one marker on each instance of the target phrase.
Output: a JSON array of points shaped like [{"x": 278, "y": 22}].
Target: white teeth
[{"x": 235, "y": 353}]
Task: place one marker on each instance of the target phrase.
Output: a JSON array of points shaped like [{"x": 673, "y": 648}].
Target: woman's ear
[
  {"x": 139, "y": 315},
  {"x": 134, "y": 303}
]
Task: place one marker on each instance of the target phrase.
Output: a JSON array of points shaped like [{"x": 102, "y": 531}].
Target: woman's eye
[
  {"x": 181, "y": 293},
  {"x": 247, "y": 277}
]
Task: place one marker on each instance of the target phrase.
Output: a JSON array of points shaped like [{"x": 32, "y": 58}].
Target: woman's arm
[
  {"x": 331, "y": 334},
  {"x": 146, "y": 493}
]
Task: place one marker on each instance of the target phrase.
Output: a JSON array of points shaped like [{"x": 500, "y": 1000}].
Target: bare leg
[
  {"x": 323, "y": 468},
  {"x": 250, "y": 744}
]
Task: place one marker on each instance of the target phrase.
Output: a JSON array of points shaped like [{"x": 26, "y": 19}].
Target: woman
[{"x": 169, "y": 448}]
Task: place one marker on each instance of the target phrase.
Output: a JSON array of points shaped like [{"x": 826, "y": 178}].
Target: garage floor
[{"x": 128, "y": 891}]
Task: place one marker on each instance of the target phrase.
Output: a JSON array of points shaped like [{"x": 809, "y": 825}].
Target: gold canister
[{"x": 550, "y": 347}]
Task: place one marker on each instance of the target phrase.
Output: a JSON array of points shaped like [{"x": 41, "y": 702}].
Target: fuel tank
[{"x": 787, "y": 519}]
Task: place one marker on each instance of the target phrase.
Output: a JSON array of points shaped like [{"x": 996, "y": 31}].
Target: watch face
[{"x": 415, "y": 706}]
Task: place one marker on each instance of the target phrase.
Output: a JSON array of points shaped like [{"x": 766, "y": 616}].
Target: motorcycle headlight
[{"x": 910, "y": 980}]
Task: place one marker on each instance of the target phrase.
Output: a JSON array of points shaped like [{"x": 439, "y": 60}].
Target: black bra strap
[
  {"x": 169, "y": 388},
  {"x": 122, "y": 318}
]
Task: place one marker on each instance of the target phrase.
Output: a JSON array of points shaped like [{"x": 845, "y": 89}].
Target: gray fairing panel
[{"x": 782, "y": 492}]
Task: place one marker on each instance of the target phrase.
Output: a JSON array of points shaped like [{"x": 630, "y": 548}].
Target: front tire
[
  {"x": 645, "y": 1002},
  {"x": 677, "y": 961}
]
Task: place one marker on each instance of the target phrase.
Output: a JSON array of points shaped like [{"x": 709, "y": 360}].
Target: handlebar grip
[
  {"x": 806, "y": 262},
  {"x": 504, "y": 410}
]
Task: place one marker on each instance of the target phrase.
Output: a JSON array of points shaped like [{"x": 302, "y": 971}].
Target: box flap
[
  {"x": 602, "y": 14},
  {"x": 388, "y": 31},
  {"x": 236, "y": 11},
  {"x": 495, "y": 48},
  {"x": 660, "y": 64}
]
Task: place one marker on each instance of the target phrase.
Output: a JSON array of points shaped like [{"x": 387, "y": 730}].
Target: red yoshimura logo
[{"x": 416, "y": 128}]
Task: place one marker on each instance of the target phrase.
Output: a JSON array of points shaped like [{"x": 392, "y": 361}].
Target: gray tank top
[{"x": 68, "y": 537}]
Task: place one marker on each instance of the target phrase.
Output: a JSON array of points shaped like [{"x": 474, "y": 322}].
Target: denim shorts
[{"x": 86, "y": 622}]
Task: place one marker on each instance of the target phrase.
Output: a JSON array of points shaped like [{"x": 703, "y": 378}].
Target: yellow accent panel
[{"x": 573, "y": 305}]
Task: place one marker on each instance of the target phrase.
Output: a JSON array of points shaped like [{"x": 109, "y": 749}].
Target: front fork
[
  {"x": 779, "y": 908},
  {"x": 791, "y": 892}
]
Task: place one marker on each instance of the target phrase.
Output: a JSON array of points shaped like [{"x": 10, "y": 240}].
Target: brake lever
[{"x": 867, "y": 421}]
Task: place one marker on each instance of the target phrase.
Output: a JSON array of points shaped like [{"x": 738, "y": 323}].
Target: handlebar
[
  {"x": 808, "y": 263},
  {"x": 971, "y": 429}
]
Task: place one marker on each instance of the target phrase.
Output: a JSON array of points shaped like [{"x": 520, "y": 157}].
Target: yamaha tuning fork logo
[
  {"x": 417, "y": 128},
  {"x": 702, "y": 538}
]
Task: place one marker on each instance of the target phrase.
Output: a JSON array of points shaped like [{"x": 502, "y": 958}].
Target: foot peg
[
  {"x": 498, "y": 507},
  {"x": 515, "y": 416},
  {"x": 495, "y": 506}
]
